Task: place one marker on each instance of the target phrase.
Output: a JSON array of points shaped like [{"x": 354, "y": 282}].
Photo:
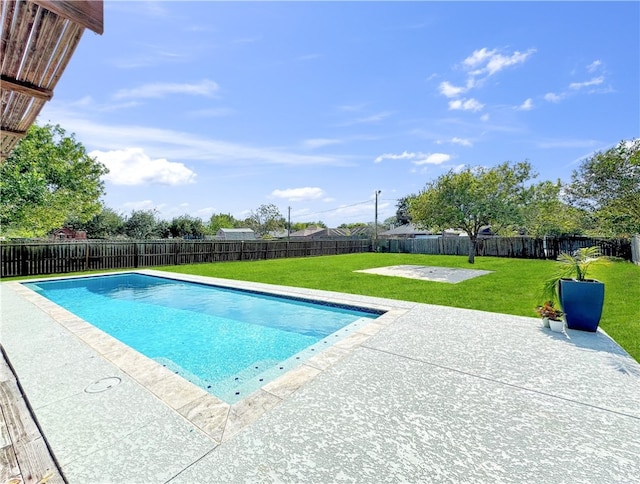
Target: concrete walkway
[{"x": 437, "y": 395}]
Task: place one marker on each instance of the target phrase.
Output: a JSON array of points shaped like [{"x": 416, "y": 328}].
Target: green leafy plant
[
  {"x": 575, "y": 265},
  {"x": 548, "y": 310}
]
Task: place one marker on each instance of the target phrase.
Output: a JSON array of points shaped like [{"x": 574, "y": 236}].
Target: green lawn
[{"x": 514, "y": 287}]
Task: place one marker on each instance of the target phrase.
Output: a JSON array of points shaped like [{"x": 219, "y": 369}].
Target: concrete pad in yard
[{"x": 451, "y": 275}]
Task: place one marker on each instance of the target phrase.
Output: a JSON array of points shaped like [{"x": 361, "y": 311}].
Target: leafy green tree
[
  {"x": 403, "y": 215},
  {"x": 187, "y": 227},
  {"x": 47, "y": 179},
  {"x": 353, "y": 225},
  {"x": 474, "y": 198},
  {"x": 267, "y": 218},
  {"x": 389, "y": 221},
  {"x": 303, "y": 225},
  {"x": 106, "y": 224},
  {"x": 607, "y": 184},
  {"x": 221, "y": 221},
  {"x": 144, "y": 224},
  {"x": 547, "y": 214}
]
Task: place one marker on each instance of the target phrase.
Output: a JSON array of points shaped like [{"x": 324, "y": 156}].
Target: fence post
[
  {"x": 24, "y": 264},
  {"x": 635, "y": 249}
]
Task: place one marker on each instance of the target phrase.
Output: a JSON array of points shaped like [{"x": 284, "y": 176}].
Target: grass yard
[{"x": 514, "y": 287}]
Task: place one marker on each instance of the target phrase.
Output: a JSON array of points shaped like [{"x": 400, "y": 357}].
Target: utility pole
[
  {"x": 375, "y": 223},
  {"x": 289, "y": 224}
]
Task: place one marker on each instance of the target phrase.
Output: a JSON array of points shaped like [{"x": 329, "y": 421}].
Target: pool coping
[{"x": 219, "y": 420}]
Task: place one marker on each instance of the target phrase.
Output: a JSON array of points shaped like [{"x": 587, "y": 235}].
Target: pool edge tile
[
  {"x": 247, "y": 411},
  {"x": 209, "y": 414},
  {"x": 282, "y": 387}
]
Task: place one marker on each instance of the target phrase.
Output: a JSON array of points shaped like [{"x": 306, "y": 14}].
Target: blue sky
[{"x": 220, "y": 107}]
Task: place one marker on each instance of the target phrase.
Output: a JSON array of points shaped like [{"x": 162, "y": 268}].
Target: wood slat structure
[
  {"x": 39, "y": 38},
  {"x": 24, "y": 454}
]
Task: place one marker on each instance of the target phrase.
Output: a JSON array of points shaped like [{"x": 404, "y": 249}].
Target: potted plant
[
  {"x": 551, "y": 316},
  {"x": 581, "y": 298}
]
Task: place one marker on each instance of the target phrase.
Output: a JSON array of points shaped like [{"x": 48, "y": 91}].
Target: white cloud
[
  {"x": 449, "y": 90},
  {"x": 594, "y": 66},
  {"x": 596, "y": 81},
  {"x": 416, "y": 158},
  {"x": 478, "y": 57},
  {"x": 432, "y": 159},
  {"x": 390, "y": 156},
  {"x": 299, "y": 194},
  {"x": 461, "y": 141},
  {"x": 158, "y": 90},
  {"x": 481, "y": 64},
  {"x": 465, "y": 105},
  {"x": 490, "y": 62},
  {"x": 484, "y": 117},
  {"x": 132, "y": 166},
  {"x": 456, "y": 141},
  {"x": 320, "y": 142},
  {"x": 552, "y": 97},
  {"x": 527, "y": 105},
  {"x": 205, "y": 213}
]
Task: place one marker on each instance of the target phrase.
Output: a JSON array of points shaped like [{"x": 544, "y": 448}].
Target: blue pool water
[{"x": 229, "y": 342}]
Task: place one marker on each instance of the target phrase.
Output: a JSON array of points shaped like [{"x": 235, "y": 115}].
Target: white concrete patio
[{"x": 433, "y": 394}]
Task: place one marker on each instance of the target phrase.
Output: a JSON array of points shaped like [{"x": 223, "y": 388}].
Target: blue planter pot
[{"x": 582, "y": 303}]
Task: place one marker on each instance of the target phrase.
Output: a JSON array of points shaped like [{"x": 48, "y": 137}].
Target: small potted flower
[{"x": 551, "y": 316}]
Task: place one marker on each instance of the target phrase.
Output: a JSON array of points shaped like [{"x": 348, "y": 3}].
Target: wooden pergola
[{"x": 38, "y": 39}]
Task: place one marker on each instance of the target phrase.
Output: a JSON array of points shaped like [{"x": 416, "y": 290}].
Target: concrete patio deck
[{"x": 430, "y": 394}]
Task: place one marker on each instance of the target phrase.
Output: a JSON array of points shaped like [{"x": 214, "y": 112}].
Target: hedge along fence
[
  {"x": 33, "y": 259},
  {"x": 520, "y": 247}
]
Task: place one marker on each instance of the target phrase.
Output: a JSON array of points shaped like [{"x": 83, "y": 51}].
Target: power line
[{"x": 339, "y": 208}]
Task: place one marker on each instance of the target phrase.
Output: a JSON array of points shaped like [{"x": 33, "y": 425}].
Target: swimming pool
[{"x": 229, "y": 342}]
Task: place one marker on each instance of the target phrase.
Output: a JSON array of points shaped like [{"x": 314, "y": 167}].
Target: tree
[
  {"x": 547, "y": 214},
  {"x": 353, "y": 225},
  {"x": 143, "y": 224},
  {"x": 47, "y": 179},
  {"x": 108, "y": 223},
  {"x": 607, "y": 184},
  {"x": 403, "y": 215},
  {"x": 267, "y": 218},
  {"x": 221, "y": 221},
  {"x": 186, "y": 226},
  {"x": 472, "y": 199},
  {"x": 296, "y": 226}
]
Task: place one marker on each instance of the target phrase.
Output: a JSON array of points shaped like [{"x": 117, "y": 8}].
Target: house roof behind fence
[
  {"x": 407, "y": 229},
  {"x": 236, "y": 234}
]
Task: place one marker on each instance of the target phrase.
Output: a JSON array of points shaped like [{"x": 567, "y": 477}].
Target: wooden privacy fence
[
  {"x": 32, "y": 259},
  {"x": 521, "y": 247}
]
